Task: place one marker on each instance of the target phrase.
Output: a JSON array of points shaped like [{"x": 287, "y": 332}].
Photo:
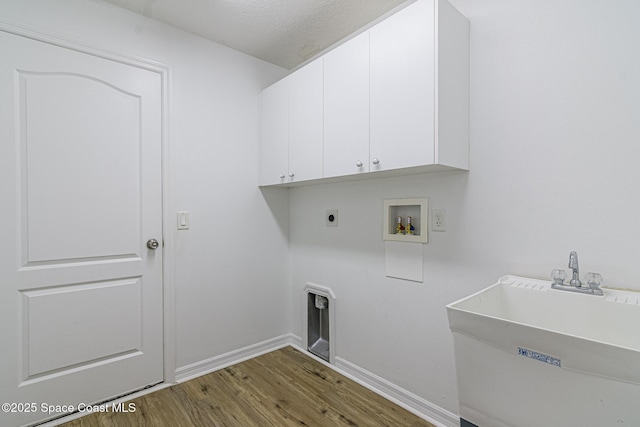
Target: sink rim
[
  {"x": 508, "y": 286},
  {"x": 577, "y": 352}
]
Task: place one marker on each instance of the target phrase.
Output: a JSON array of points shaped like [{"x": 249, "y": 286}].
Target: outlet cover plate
[{"x": 439, "y": 220}]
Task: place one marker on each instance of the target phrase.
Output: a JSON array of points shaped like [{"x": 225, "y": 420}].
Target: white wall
[
  {"x": 555, "y": 148},
  {"x": 555, "y": 108},
  {"x": 231, "y": 266}
]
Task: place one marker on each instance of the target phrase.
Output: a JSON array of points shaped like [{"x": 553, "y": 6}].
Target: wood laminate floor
[{"x": 281, "y": 388}]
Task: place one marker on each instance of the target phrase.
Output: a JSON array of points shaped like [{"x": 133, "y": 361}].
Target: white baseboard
[
  {"x": 423, "y": 408},
  {"x": 404, "y": 398},
  {"x": 212, "y": 364},
  {"x": 67, "y": 418},
  {"x": 296, "y": 342}
]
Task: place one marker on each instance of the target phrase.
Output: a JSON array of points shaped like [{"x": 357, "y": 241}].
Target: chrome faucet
[
  {"x": 573, "y": 265},
  {"x": 575, "y": 285}
]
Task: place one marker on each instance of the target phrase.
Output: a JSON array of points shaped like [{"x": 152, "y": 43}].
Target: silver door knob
[
  {"x": 291, "y": 174},
  {"x": 281, "y": 176},
  {"x": 153, "y": 244},
  {"x": 359, "y": 164},
  {"x": 375, "y": 161}
]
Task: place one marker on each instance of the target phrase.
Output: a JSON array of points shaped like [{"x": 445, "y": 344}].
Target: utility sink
[{"x": 529, "y": 355}]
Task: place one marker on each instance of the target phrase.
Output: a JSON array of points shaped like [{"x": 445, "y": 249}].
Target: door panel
[
  {"x": 70, "y": 327},
  {"x": 80, "y": 183},
  {"x": 57, "y": 154}
]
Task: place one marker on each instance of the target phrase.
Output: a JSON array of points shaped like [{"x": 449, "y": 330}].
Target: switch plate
[
  {"x": 331, "y": 217},
  {"x": 439, "y": 220},
  {"x": 183, "y": 220}
]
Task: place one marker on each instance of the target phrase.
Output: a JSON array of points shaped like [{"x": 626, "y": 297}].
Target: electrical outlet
[
  {"x": 331, "y": 217},
  {"x": 439, "y": 220}
]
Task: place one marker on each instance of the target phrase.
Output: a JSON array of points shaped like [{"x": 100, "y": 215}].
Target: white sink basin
[{"x": 529, "y": 355}]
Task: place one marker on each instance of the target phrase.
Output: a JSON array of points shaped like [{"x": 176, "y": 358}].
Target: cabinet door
[
  {"x": 274, "y": 146},
  {"x": 346, "y": 108},
  {"x": 305, "y": 123},
  {"x": 402, "y": 88}
]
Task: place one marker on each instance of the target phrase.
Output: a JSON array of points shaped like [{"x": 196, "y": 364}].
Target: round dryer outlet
[{"x": 331, "y": 217}]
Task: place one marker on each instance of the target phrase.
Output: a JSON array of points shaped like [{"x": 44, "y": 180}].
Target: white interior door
[{"x": 80, "y": 184}]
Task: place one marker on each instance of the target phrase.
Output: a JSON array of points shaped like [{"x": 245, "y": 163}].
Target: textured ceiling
[{"x": 283, "y": 32}]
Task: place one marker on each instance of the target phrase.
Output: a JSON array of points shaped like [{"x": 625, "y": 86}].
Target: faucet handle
[
  {"x": 558, "y": 276},
  {"x": 594, "y": 280}
]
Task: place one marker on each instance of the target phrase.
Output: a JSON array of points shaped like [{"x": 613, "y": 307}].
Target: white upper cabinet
[
  {"x": 346, "y": 108},
  {"x": 392, "y": 100},
  {"x": 305, "y": 122},
  {"x": 291, "y": 134},
  {"x": 274, "y": 144},
  {"x": 452, "y": 82},
  {"x": 420, "y": 88},
  {"x": 402, "y": 89}
]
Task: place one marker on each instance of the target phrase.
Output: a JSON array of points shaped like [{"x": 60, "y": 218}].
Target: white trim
[
  {"x": 78, "y": 45},
  {"x": 418, "y": 406},
  {"x": 404, "y": 398},
  {"x": 168, "y": 232},
  {"x": 128, "y": 397},
  {"x": 296, "y": 342},
  {"x": 212, "y": 364},
  {"x": 198, "y": 369},
  {"x": 168, "y": 273}
]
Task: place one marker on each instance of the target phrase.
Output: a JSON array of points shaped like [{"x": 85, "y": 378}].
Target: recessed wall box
[
  {"x": 319, "y": 332},
  {"x": 396, "y": 212}
]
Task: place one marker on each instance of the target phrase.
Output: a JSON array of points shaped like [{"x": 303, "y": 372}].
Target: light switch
[{"x": 183, "y": 220}]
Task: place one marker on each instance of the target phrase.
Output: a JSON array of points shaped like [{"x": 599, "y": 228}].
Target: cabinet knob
[
  {"x": 291, "y": 174},
  {"x": 359, "y": 164},
  {"x": 375, "y": 161},
  {"x": 281, "y": 176}
]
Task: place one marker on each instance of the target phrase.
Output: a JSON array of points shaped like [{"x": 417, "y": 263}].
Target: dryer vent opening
[
  {"x": 318, "y": 327},
  {"x": 319, "y": 303}
]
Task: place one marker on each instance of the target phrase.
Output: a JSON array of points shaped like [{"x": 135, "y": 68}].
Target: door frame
[{"x": 168, "y": 264}]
